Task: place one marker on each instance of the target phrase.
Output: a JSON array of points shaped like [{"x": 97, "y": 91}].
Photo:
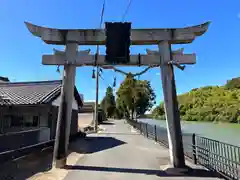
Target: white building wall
[{"x": 1, "y": 81}]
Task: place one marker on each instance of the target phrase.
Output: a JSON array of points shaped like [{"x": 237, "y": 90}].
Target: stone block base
[{"x": 60, "y": 163}]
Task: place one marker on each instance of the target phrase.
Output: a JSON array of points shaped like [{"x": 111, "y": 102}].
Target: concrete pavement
[
  {"x": 84, "y": 120},
  {"x": 119, "y": 152}
]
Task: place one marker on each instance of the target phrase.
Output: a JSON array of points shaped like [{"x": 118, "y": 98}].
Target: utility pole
[
  {"x": 96, "y": 103},
  {"x": 97, "y": 78}
]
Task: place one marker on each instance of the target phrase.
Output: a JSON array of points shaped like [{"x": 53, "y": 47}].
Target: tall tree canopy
[
  {"x": 210, "y": 103},
  {"x": 108, "y": 103},
  {"x": 233, "y": 83},
  {"x": 135, "y": 96}
]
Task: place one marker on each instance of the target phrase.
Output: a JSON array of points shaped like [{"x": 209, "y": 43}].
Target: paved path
[
  {"x": 84, "y": 119},
  {"x": 118, "y": 152}
]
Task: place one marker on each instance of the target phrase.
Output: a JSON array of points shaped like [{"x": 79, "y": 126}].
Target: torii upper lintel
[{"x": 138, "y": 36}]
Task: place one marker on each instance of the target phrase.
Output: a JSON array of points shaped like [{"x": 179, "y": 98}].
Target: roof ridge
[
  {"x": 29, "y": 83},
  {"x": 40, "y": 92},
  {"x": 51, "y": 93}
]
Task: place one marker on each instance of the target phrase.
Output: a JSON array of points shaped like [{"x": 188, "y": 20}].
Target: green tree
[
  {"x": 120, "y": 111},
  {"x": 209, "y": 103},
  {"x": 108, "y": 103},
  {"x": 158, "y": 111},
  {"x": 145, "y": 97},
  {"x": 134, "y": 96},
  {"x": 233, "y": 83}
]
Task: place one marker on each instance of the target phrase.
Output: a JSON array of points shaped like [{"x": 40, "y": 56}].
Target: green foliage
[
  {"x": 233, "y": 83},
  {"x": 210, "y": 103},
  {"x": 145, "y": 97},
  {"x": 108, "y": 103},
  {"x": 134, "y": 96},
  {"x": 158, "y": 111},
  {"x": 101, "y": 116}
]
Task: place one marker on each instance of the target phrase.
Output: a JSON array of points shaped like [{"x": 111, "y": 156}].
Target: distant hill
[{"x": 209, "y": 103}]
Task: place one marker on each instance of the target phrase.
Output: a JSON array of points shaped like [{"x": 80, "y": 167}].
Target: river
[{"x": 228, "y": 133}]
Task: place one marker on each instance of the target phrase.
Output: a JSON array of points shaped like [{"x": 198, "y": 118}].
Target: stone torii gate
[{"x": 165, "y": 58}]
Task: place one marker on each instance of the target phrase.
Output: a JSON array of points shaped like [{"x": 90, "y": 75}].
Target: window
[
  {"x": 6, "y": 121},
  {"x": 30, "y": 121},
  {"x": 35, "y": 121},
  {"x": 16, "y": 120}
]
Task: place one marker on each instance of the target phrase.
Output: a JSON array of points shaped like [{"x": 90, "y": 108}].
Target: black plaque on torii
[{"x": 118, "y": 42}]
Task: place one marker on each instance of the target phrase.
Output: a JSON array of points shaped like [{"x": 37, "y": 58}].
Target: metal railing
[{"x": 216, "y": 156}]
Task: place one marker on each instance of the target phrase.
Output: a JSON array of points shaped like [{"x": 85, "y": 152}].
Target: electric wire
[{"x": 126, "y": 10}]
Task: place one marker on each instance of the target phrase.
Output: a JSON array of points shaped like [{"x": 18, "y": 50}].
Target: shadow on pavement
[
  {"x": 95, "y": 144},
  {"x": 28, "y": 166},
  {"x": 107, "y": 123},
  {"x": 129, "y": 134},
  {"x": 191, "y": 173}
]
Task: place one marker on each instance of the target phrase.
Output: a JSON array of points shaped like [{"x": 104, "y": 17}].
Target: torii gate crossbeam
[{"x": 164, "y": 58}]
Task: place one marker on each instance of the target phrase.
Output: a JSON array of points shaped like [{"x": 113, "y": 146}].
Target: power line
[
  {"x": 97, "y": 76},
  {"x": 104, "y": 80},
  {"x": 126, "y": 11},
  {"x": 100, "y": 25},
  {"x": 101, "y": 20}
]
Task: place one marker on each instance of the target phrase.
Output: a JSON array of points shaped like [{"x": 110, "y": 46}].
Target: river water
[{"x": 228, "y": 133}]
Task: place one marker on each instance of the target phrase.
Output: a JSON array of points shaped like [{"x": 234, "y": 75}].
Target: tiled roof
[
  {"x": 29, "y": 93},
  {"x": 5, "y": 79}
]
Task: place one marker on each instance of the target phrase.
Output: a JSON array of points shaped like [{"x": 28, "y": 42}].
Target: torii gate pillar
[
  {"x": 171, "y": 107},
  {"x": 65, "y": 108}
]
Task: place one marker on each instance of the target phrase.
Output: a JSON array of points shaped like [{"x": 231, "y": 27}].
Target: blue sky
[{"x": 218, "y": 57}]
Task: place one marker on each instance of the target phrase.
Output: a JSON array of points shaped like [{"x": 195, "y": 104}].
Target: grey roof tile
[{"x": 27, "y": 92}]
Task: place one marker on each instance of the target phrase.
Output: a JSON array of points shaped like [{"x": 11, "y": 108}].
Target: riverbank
[
  {"x": 237, "y": 125},
  {"x": 221, "y": 131}
]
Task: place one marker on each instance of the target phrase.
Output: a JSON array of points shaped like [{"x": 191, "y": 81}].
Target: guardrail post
[
  {"x": 155, "y": 130},
  {"x": 194, "y": 148},
  {"x": 140, "y": 127},
  {"x": 146, "y": 130}
]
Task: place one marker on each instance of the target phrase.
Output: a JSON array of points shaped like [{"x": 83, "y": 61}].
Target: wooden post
[
  {"x": 140, "y": 125},
  {"x": 65, "y": 109},
  {"x": 171, "y": 108},
  {"x": 155, "y": 130},
  {"x": 96, "y": 103},
  {"x": 146, "y": 130}
]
